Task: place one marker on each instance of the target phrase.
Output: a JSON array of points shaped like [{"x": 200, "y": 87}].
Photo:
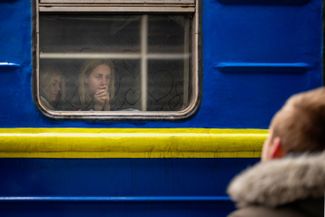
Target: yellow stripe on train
[{"x": 130, "y": 143}]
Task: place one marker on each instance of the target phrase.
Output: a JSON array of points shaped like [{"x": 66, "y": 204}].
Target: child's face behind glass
[{"x": 54, "y": 88}]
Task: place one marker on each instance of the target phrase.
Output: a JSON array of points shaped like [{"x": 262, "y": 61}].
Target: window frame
[{"x": 140, "y": 7}]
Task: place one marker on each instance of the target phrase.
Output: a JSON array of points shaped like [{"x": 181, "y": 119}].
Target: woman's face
[
  {"x": 54, "y": 88},
  {"x": 99, "y": 79}
]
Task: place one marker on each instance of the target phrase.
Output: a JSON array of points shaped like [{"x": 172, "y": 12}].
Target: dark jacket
[{"x": 289, "y": 187}]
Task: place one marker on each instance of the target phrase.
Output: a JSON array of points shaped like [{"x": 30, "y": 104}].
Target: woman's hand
[{"x": 101, "y": 98}]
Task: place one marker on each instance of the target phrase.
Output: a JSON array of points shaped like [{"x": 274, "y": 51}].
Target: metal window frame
[
  {"x": 137, "y": 6},
  {"x": 119, "y": 5}
]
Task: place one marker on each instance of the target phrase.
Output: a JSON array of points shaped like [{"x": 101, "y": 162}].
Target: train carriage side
[{"x": 195, "y": 86}]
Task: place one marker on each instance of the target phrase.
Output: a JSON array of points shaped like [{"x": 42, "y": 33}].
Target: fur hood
[{"x": 279, "y": 182}]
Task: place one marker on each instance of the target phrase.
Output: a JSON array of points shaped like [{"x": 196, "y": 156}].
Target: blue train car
[{"x": 143, "y": 107}]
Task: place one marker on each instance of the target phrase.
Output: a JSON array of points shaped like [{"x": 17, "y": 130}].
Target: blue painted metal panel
[
  {"x": 258, "y": 38},
  {"x": 117, "y": 187},
  {"x": 100, "y": 209},
  {"x": 118, "y": 177},
  {"x": 285, "y": 36},
  {"x": 234, "y": 67},
  {"x": 5, "y": 66}
]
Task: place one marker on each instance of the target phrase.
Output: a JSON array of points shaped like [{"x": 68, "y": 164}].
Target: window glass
[
  {"x": 168, "y": 34},
  {"x": 89, "y": 33},
  {"x": 109, "y": 62},
  {"x": 166, "y": 85}
]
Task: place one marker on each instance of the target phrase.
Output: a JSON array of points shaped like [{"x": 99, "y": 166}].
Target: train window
[{"x": 117, "y": 59}]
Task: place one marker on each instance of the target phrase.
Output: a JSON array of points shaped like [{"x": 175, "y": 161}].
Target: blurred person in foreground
[{"x": 290, "y": 179}]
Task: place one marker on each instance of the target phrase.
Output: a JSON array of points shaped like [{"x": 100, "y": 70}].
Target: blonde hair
[
  {"x": 300, "y": 124},
  {"x": 83, "y": 90},
  {"x": 45, "y": 77}
]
